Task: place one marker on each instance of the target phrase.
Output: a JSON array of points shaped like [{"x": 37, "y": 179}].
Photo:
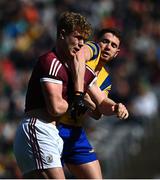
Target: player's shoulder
[
  {"x": 94, "y": 48},
  {"x": 93, "y": 45},
  {"x": 49, "y": 58},
  {"x": 49, "y": 63}
]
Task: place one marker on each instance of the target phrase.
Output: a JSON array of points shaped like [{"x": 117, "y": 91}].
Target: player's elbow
[
  {"x": 97, "y": 117},
  {"x": 58, "y": 109}
]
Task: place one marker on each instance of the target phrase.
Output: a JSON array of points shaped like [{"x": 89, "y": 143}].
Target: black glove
[{"x": 78, "y": 106}]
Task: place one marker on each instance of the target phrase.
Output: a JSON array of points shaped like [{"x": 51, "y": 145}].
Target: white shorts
[{"x": 37, "y": 145}]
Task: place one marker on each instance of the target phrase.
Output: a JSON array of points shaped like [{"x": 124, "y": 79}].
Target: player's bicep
[
  {"x": 55, "y": 103},
  {"x": 52, "y": 93}
]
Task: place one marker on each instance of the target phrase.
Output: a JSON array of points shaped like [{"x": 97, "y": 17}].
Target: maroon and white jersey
[{"x": 49, "y": 69}]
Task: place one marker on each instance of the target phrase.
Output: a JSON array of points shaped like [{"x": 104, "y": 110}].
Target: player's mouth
[{"x": 105, "y": 54}]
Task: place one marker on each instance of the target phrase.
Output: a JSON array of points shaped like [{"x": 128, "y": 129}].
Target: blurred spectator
[{"x": 145, "y": 103}]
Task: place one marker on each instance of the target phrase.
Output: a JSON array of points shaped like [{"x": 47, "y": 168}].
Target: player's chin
[{"x": 105, "y": 59}]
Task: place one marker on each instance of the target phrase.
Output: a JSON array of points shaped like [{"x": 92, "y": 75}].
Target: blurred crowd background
[{"x": 128, "y": 149}]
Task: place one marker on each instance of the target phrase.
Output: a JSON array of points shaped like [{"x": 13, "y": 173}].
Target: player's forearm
[
  {"x": 97, "y": 114},
  {"x": 80, "y": 59},
  {"x": 79, "y": 72},
  {"x": 106, "y": 107},
  {"x": 109, "y": 107},
  {"x": 89, "y": 103}
]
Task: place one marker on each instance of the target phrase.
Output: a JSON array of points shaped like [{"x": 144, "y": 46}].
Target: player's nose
[{"x": 81, "y": 43}]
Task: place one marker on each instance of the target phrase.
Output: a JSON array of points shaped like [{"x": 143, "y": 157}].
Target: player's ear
[
  {"x": 116, "y": 53},
  {"x": 62, "y": 34}
]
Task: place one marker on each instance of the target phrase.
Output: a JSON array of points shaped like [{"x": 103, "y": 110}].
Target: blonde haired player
[{"x": 78, "y": 154}]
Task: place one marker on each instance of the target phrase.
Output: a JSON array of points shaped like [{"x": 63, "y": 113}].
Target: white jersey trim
[
  {"x": 51, "y": 80},
  {"x": 55, "y": 68},
  {"x": 90, "y": 69},
  {"x": 93, "y": 81}
]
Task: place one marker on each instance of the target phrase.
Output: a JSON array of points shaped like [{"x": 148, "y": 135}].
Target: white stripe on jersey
[
  {"x": 58, "y": 69},
  {"x": 55, "y": 66},
  {"x": 51, "y": 80},
  {"x": 51, "y": 68}
]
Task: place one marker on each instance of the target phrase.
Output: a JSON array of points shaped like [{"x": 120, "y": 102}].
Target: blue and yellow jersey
[
  {"x": 103, "y": 77},
  {"x": 103, "y": 80},
  {"x": 95, "y": 52}
]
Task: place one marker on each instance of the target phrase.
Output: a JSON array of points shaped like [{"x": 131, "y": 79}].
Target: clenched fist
[{"x": 120, "y": 110}]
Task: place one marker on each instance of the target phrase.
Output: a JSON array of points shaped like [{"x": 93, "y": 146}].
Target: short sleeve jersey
[
  {"x": 50, "y": 69},
  {"x": 103, "y": 80}
]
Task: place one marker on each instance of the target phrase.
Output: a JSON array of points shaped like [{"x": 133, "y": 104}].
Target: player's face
[
  {"x": 74, "y": 41},
  {"x": 109, "y": 44}
]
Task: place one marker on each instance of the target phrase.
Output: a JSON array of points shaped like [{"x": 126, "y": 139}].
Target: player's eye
[
  {"x": 105, "y": 41},
  {"x": 114, "y": 45}
]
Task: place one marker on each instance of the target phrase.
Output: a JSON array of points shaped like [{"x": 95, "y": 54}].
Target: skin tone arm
[
  {"x": 79, "y": 71},
  {"x": 105, "y": 105},
  {"x": 93, "y": 110},
  {"x": 80, "y": 59},
  {"x": 119, "y": 109},
  {"x": 55, "y": 103}
]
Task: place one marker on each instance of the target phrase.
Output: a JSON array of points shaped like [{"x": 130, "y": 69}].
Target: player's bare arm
[
  {"x": 78, "y": 71},
  {"x": 89, "y": 103},
  {"x": 83, "y": 55},
  {"x": 105, "y": 105},
  {"x": 56, "y": 105}
]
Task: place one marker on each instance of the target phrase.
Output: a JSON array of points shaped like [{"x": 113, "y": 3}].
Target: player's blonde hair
[{"x": 71, "y": 21}]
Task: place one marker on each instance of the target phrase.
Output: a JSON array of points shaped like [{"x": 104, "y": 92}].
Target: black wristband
[{"x": 79, "y": 93}]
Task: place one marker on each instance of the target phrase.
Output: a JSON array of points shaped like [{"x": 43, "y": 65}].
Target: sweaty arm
[
  {"x": 105, "y": 105},
  {"x": 55, "y": 103}
]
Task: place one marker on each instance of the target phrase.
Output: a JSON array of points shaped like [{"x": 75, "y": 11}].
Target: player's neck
[{"x": 60, "y": 52}]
